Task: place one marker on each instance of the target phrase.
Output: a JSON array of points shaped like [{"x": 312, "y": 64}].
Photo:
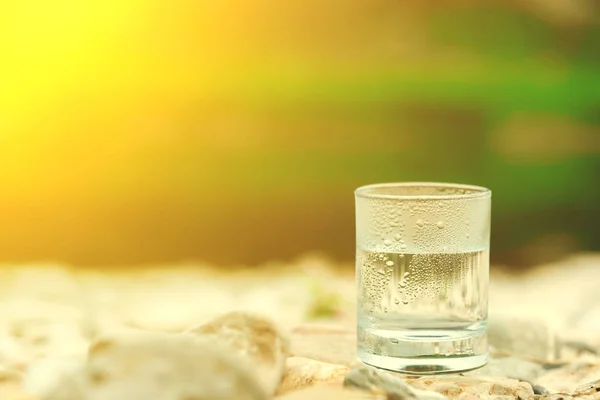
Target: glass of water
[{"x": 422, "y": 268}]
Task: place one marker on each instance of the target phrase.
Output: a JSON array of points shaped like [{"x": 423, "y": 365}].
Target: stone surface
[
  {"x": 510, "y": 367},
  {"x": 45, "y": 374},
  {"x": 255, "y": 340},
  {"x": 10, "y": 375},
  {"x": 302, "y": 372},
  {"x": 12, "y": 353},
  {"x": 13, "y": 391},
  {"x": 451, "y": 386},
  {"x": 373, "y": 380},
  {"x": 526, "y": 337},
  {"x": 563, "y": 396},
  {"x": 545, "y": 318},
  {"x": 539, "y": 389},
  {"x": 11, "y": 387},
  {"x": 332, "y": 344},
  {"x": 477, "y": 386},
  {"x": 590, "y": 388},
  {"x": 131, "y": 365},
  {"x": 561, "y": 294},
  {"x": 335, "y": 393},
  {"x": 569, "y": 378}
]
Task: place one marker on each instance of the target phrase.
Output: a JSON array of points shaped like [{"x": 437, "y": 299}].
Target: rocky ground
[{"x": 283, "y": 331}]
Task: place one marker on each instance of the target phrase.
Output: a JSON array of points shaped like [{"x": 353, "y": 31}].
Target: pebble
[
  {"x": 371, "y": 379},
  {"x": 497, "y": 398},
  {"x": 446, "y": 388},
  {"x": 580, "y": 345},
  {"x": 589, "y": 388},
  {"x": 54, "y": 339},
  {"x": 332, "y": 393},
  {"x": 539, "y": 389},
  {"x": 10, "y": 375},
  {"x": 301, "y": 372},
  {"x": 255, "y": 340},
  {"x": 589, "y": 321},
  {"x": 510, "y": 367},
  {"x": 131, "y": 365},
  {"x": 44, "y": 374},
  {"x": 476, "y": 386},
  {"x": 13, "y": 391},
  {"x": 548, "y": 345},
  {"x": 569, "y": 378},
  {"x": 525, "y": 337},
  {"x": 13, "y": 353}
]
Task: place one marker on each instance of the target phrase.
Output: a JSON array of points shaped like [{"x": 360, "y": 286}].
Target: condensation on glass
[{"x": 422, "y": 271}]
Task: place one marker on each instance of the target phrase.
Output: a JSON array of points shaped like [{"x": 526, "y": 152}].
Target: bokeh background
[{"x": 136, "y": 132}]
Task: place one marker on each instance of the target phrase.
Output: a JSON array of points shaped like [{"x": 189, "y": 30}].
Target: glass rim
[{"x": 370, "y": 191}]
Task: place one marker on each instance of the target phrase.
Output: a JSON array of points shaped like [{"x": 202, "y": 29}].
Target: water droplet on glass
[
  {"x": 385, "y": 309},
  {"x": 420, "y": 222},
  {"x": 387, "y": 242},
  {"x": 402, "y": 246},
  {"x": 389, "y": 263},
  {"x": 396, "y": 301},
  {"x": 404, "y": 301},
  {"x": 397, "y": 236},
  {"x": 468, "y": 235},
  {"x": 394, "y": 340},
  {"x": 441, "y": 224}
]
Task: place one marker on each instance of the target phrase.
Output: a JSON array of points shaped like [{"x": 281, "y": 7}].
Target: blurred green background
[{"x": 137, "y": 132}]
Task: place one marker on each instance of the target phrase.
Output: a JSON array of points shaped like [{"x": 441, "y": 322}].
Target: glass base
[
  {"x": 424, "y": 351},
  {"x": 425, "y": 365}
]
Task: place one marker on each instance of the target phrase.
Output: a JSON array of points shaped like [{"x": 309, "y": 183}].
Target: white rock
[
  {"x": 13, "y": 391},
  {"x": 527, "y": 337},
  {"x": 332, "y": 393},
  {"x": 478, "y": 386},
  {"x": 10, "y": 375},
  {"x": 45, "y": 374},
  {"x": 55, "y": 339},
  {"x": 570, "y": 377},
  {"x": 379, "y": 381},
  {"x": 133, "y": 365},
  {"x": 12, "y": 353},
  {"x": 589, "y": 321},
  {"x": 255, "y": 340},
  {"x": 301, "y": 372},
  {"x": 510, "y": 367}
]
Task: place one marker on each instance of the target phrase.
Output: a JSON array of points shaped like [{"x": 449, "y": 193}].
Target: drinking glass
[{"x": 422, "y": 271}]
